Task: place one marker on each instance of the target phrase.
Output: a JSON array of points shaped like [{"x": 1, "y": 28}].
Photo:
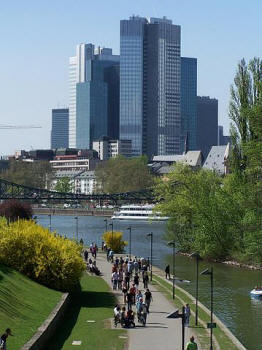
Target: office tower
[
  {"x": 207, "y": 123},
  {"x": 94, "y": 95},
  {"x": 150, "y": 85},
  {"x": 223, "y": 139},
  {"x": 188, "y": 103},
  {"x": 60, "y": 125}
]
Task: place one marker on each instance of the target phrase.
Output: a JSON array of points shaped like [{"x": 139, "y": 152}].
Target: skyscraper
[
  {"x": 207, "y": 123},
  {"x": 150, "y": 85},
  {"x": 59, "y": 132},
  {"x": 189, "y": 103},
  {"x": 94, "y": 95}
]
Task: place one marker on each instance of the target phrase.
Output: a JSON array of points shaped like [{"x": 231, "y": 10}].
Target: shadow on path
[{"x": 79, "y": 300}]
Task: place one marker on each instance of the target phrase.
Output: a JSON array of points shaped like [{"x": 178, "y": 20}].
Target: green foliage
[
  {"x": 64, "y": 185},
  {"x": 35, "y": 174},
  {"x": 115, "y": 241},
  {"x": 40, "y": 254},
  {"x": 207, "y": 212},
  {"x": 122, "y": 174}
]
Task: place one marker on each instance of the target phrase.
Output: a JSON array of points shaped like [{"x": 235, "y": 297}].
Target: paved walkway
[{"x": 160, "y": 332}]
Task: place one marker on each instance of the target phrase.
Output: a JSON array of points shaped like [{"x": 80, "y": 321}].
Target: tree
[
  {"x": 114, "y": 241},
  {"x": 64, "y": 185},
  {"x": 34, "y": 174},
  {"x": 246, "y": 94},
  {"x": 13, "y": 210},
  {"x": 203, "y": 215},
  {"x": 122, "y": 174}
]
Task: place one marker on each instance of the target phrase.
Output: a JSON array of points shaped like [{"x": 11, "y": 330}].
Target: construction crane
[{"x": 7, "y": 126}]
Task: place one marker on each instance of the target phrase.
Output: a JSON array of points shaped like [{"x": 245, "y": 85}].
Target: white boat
[
  {"x": 138, "y": 212},
  {"x": 256, "y": 292}
]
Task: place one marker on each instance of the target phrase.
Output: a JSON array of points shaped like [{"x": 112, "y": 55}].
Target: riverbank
[
  {"x": 233, "y": 263},
  {"x": 73, "y": 212}
]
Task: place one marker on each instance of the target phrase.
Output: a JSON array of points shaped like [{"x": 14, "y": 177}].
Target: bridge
[{"x": 10, "y": 190}]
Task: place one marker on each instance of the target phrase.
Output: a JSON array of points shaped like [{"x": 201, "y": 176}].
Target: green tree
[
  {"x": 34, "y": 174},
  {"x": 122, "y": 174},
  {"x": 64, "y": 185},
  {"x": 203, "y": 215}
]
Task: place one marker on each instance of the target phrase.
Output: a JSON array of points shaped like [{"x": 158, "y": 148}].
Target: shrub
[
  {"x": 13, "y": 210},
  {"x": 41, "y": 255},
  {"x": 115, "y": 241}
]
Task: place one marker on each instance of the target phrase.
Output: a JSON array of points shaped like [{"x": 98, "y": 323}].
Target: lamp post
[
  {"x": 173, "y": 244},
  {"x": 76, "y": 219},
  {"x": 211, "y": 325},
  {"x": 130, "y": 229},
  {"x": 50, "y": 222},
  {"x": 106, "y": 224},
  {"x": 151, "y": 254},
  {"x": 177, "y": 314},
  {"x": 112, "y": 225},
  {"x": 197, "y": 257}
]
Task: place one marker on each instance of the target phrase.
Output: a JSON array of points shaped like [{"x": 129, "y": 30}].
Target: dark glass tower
[
  {"x": 207, "y": 123},
  {"x": 189, "y": 103},
  {"x": 150, "y": 85},
  {"x": 60, "y": 126}
]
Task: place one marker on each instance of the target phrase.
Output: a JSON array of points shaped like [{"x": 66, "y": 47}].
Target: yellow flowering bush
[
  {"x": 115, "y": 241},
  {"x": 41, "y": 255}
]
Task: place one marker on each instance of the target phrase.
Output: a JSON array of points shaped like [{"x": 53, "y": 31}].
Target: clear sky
[{"x": 38, "y": 36}]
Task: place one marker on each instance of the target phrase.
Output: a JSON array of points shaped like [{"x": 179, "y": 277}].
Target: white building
[
  {"x": 83, "y": 182},
  {"x": 217, "y": 159},
  {"x": 112, "y": 148},
  {"x": 71, "y": 163}
]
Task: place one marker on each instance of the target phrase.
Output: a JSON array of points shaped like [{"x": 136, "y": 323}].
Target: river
[{"x": 232, "y": 303}]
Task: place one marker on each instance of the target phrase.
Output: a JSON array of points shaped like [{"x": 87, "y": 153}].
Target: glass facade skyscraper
[
  {"x": 150, "y": 85},
  {"x": 60, "y": 126},
  {"x": 94, "y": 95},
  {"x": 189, "y": 103}
]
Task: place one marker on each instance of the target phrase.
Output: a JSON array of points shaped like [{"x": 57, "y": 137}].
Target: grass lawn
[
  {"x": 203, "y": 334},
  {"x": 93, "y": 302},
  {"x": 24, "y": 305}
]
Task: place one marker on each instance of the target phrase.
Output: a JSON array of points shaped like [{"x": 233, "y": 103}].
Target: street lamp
[
  {"x": 151, "y": 253},
  {"x": 197, "y": 257},
  {"x": 106, "y": 224},
  {"x": 129, "y": 228},
  {"x": 112, "y": 225},
  {"x": 177, "y": 314},
  {"x": 76, "y": 218},
  {"x": 50, "y": 222},
  {"x": 173, "y": 244},
  {"x": 211, "y": 325}
]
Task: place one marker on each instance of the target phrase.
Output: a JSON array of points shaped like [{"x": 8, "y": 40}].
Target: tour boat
[
  {"x": 138, "y": 212},
  {"x": 256, "y": 292}
]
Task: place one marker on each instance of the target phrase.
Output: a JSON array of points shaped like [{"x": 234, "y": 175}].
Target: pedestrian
[
  {"x": 103, "y": 246},
  {"x": 191, "y": 345},
  {"x": 148, "y": 299},
  {"x": 127, "y": 279},
  {"x": 120, "y": 279},
  {"x": 114, "y": 280},
  {"x": 4, "y": 337},
  {"x": 145, "y": 279},
  {"x": 124, "y": 291},
  {"x": 187, "y": 314},
  {"x": 81, "y": 241},
  {"x": 86, "y": 255},
  {"x": 129, "y": 299},
  {"x": 136, "y": 281},
  {"x": 167, "y": 271}
]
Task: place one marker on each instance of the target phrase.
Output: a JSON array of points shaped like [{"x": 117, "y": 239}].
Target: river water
[{"x": 232, "y": 303}]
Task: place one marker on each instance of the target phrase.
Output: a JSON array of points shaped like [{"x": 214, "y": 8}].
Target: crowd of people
[
  {"x": 91, "y": 264},
  {"x": 127, "y": 276}
]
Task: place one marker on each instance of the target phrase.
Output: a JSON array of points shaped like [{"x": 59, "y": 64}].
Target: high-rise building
[
  {"x": 107, "y": 148},
  {"x": 94, "y": 95},
  {"x": 60, "y": 125},
  {"x": 223, "y": 139},
  {"x": 188, "y": 103},
  {"x": 207, "y": 123},
  {"x": 150, "y": 85}
]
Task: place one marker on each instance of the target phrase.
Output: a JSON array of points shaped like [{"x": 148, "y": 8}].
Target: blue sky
[{"x": 37, "y": 37}]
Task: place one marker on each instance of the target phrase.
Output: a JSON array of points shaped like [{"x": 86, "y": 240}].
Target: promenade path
[{"x": 160, "y": 332}]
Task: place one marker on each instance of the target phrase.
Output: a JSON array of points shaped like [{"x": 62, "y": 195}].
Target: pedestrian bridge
[{"x": 10, "y": 190}]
